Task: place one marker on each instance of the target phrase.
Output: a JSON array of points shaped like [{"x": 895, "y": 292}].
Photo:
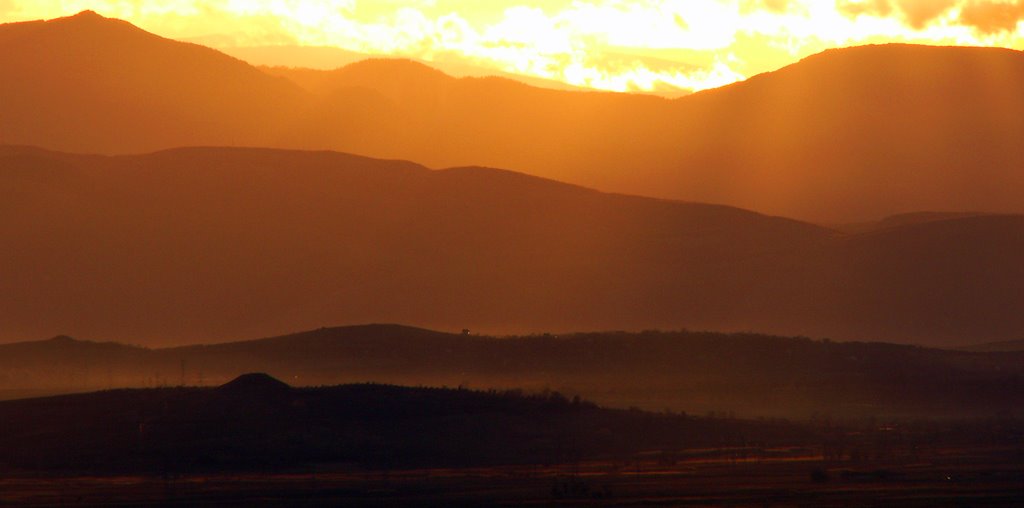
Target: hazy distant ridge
[
  {"x": 753, "y": 375},
  {"x": 211, "y": 244},
  {"x": 848, "y": 135}
]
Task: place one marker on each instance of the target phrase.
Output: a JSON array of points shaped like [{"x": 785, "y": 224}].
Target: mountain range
[
  {"x": 211, "y": 244},
  {"x": 848, "y": 135},
  {"x": 815, "y": 270}
]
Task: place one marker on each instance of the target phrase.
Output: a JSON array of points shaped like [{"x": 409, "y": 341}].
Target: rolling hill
[
  {"x": 257, "y": 423},
  {"x": 848, "y": 135},
  {"x": 697, "y": 372},
  {"x": 209, "y": 244}
]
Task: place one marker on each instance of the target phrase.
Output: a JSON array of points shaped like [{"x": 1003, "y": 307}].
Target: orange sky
[{"x": 648, "y": 45}]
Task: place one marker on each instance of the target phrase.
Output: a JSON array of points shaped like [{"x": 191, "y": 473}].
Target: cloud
[
  {"x": 919, "y": 13},
  {"x": 854, "y": 8},
  {"x": 985, "y": 16},
  {"x": 776, "y": 6},
  {"x": 916, "y": 13},
  {"x": 990, "y": 17}
]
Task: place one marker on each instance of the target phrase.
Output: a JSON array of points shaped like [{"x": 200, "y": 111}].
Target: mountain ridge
[
  {"x": 276, "y": 240},
  {"x": 77, "y": 73},
  {"x": 903, "y": 128}
]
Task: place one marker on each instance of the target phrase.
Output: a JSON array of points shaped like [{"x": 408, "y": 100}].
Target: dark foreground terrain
[
  {"x": 259, "y": 423},
  {"x": 956, "y": 478},
  {"x": 258, "y": 441}
]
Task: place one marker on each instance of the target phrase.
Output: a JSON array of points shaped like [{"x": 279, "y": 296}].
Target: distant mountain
[
  {"x": 196, "y": 244},
  {"x": 867, "y": 131},
  {"x": 404, "y": 109},
  {"x": 63, "y": 364},
  {"x": 94, "y": 84},
  {"x": 287, "y": 56},
  {"x": 750, "y": 375},
  {"x": 292, "y": 61},
  {"x": 849, "y": 135},
  {"x": 211, "y": 244}
]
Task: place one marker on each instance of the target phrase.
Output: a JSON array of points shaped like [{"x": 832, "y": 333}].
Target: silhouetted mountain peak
[
  {"x": 93, "y": 21},
  {"x": 102, "y": 39},
  {"x": 394, "y": 77},
  {"x": 395, "y": 67},
  {"x": 256, "y": 384},
  {"x": 63, "y": 339},
  {"x": 86, "y": 15},
  {"x": 82, "y": 64}
]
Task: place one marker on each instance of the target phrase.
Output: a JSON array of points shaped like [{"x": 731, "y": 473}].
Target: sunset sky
[{"x": 624, "y": 45}]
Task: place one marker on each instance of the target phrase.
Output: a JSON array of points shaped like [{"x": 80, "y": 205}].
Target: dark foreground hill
[
  {"x": 844, "y": 136},
  {"x": 257, "y": 422},
  {"x": 258, "y": 441},
  {"x": 744, "y": 374},
  {"x": 210, "y": 244}
]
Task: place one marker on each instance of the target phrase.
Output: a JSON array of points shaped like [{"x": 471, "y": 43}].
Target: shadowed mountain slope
[
  {"x": 212, "y": 244},
  {"x": 848, "y": 135}
]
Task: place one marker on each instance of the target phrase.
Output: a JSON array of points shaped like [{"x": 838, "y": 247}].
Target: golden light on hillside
[{"x": 648, "y": 45}]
